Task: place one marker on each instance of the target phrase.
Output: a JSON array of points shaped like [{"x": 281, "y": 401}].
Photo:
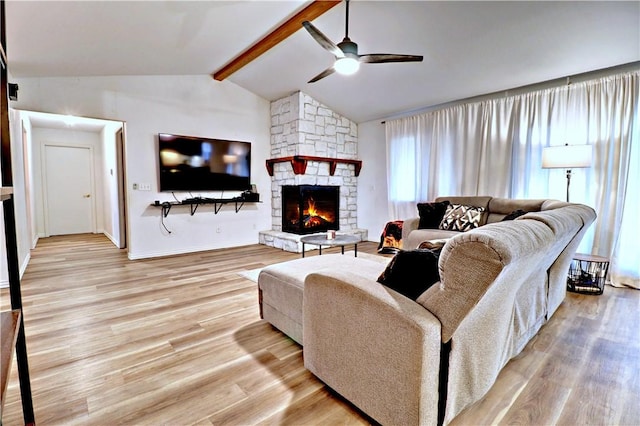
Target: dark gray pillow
[
  {"x": 431, "y": 214},
  {"x": 411, "y": 272},
  {"x": 513, "y": 215}
]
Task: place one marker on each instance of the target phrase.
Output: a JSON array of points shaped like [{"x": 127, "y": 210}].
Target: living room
[{"x": 197, "y": 105}]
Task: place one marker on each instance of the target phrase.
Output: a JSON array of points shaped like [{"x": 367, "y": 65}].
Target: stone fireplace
[
  {"x": 308, "y": 209},
  {"x": 306, "y": 132}
]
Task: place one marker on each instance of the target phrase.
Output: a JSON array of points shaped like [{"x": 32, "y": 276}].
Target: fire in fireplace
[{"x": 310, "y": 208}]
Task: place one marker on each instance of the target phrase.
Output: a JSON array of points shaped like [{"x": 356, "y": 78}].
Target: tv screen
[{"x": 190, "y": 163}]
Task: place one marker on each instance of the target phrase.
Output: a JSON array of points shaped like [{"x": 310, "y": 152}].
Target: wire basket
[{"x": 587, "y": 274}]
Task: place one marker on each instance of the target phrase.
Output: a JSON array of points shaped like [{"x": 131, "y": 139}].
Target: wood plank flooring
[{"x": 178, "y": 341}]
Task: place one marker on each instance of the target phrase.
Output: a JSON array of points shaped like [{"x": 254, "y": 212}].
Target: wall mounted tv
[{"x": 190, "y": 163}]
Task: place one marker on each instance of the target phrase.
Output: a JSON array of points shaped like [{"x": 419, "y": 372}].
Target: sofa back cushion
[{"x": 501, "y": 207}]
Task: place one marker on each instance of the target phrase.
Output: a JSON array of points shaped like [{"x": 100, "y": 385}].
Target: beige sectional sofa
[{"x": 409, "y": 363}]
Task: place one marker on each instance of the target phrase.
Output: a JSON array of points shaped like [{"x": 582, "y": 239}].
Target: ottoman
[{"x": 280, "y": 286}]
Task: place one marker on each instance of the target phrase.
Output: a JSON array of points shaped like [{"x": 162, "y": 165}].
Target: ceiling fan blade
[
  {"x": 323, "y": 40},
  {"x": 323, "y": 74},
  {"x": 380, "y": 58}
]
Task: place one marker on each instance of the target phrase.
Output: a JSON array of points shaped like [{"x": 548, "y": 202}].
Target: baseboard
[
  {"x": 149, "y": 255},
  {"x": 23, "y": 268},
  {"x": 24, "y": 265},
  {"x": 111, "y": 238}
]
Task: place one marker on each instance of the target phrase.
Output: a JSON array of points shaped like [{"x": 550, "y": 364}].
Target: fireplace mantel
[{"x": 299, "y": 163}]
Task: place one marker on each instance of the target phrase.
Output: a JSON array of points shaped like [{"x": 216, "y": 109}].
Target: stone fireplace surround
[{"x": 303, "y": 127}]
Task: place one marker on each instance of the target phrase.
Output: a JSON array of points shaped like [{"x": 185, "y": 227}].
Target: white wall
[
  {"x": 29, "y": 170},
  {"x": 19, "y": 199},
  {"x": 187, "y": 105},
  {"x": 373, "y": 208},
  {"x": 111, "y": 218}
]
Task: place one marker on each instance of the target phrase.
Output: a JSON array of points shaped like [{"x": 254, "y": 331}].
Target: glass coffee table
[{"x": 338, "y": 241}]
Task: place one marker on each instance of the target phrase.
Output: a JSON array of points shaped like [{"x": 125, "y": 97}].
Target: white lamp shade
[{"x": 567, "y": 157}]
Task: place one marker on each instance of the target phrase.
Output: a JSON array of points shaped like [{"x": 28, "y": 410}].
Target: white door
[{"x": 68, "y": 190}]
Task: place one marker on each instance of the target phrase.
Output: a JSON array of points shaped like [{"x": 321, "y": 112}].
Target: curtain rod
[{"x": 568, "y": 80}]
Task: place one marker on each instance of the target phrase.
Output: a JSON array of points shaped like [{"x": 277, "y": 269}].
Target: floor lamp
[{"x": 567, "y": 157}]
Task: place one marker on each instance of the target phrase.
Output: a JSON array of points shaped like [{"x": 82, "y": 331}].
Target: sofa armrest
[
  {"x": 375, "y": 347},
  {"x": 409, "y": 225}
]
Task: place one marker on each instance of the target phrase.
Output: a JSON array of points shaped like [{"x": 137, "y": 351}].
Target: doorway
[{"x": 54, "y": 142}]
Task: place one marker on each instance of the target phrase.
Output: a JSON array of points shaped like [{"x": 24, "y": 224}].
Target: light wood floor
[{"x": 179, "y": 341}]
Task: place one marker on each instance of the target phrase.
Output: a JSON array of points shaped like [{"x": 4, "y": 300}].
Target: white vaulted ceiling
[{"x": 469, "y": 48}]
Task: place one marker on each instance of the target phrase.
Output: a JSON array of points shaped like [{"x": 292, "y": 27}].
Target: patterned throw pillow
[{"x": 461, "y": 218}]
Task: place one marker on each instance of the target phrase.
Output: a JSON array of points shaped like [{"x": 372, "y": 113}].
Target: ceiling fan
[{"x": 346, "y": 52}]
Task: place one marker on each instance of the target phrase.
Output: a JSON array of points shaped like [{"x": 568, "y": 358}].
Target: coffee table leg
[
  {"x": 302, "y": 249},
  {"x": 355, "y": 249},
  {"x": 342, "y": 247},
  {"x": 320, "y": 250}
]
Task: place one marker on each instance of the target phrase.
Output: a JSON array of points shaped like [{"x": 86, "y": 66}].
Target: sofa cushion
[
  {"x": 431, "y": 214},
  {"x": 411, "y": 272},
  {"x": 462, "y": 218},
  {"x": 418, "y": 236}
]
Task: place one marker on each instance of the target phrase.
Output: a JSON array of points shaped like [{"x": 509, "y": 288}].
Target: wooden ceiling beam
[{"x": 309, "y": 13}]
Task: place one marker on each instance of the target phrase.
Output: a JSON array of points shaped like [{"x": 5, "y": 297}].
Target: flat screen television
[{"x": 189, "y": 163}]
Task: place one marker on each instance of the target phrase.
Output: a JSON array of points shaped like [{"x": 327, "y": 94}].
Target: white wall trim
[
  {"x": 152, "y": 254},
  {"x": 110, "y": 237},
  {"x": 92, "y": 182}
]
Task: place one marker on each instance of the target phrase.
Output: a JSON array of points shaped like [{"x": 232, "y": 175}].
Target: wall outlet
[
  {"x": 218, "y": 230},
  {"x": 142, "y": 186}
]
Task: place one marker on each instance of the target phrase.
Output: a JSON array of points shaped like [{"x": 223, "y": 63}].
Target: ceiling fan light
[{"x": 347, "y": 66}]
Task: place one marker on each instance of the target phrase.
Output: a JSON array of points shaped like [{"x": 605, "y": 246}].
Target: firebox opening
[{"x": 307, "y": 209}]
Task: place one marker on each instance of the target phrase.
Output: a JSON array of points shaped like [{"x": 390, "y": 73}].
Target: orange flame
[
  {"x": 311, "y": 209},
  {"x": 315, "y": 215}
]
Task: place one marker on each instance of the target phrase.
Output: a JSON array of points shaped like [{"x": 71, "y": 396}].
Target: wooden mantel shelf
[{"x": 299, "y": 163}]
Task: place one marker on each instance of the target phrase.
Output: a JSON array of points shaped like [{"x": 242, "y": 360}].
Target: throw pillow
[
  {"x": 514, "y": 214},
  {"x": 462, "y": 218},
  {"x": 411, "y": 272},
  {"x": 431, "y": 214}
]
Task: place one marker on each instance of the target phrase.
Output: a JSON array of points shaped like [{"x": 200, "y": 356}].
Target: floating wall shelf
[
  {"x": 299, "y": 163},
  {"x": 195, "y": 202}
]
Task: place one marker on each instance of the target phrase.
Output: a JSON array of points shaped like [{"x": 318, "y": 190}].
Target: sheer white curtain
[{"x": 495, "y": 147}]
